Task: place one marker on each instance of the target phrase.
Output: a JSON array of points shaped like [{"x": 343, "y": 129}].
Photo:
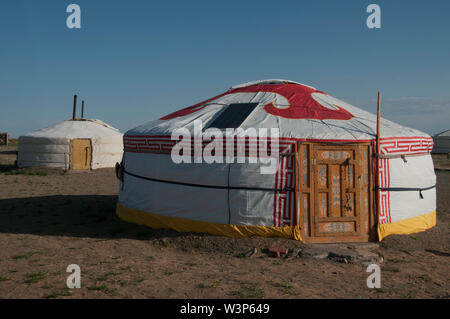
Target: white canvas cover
[
  {"x": 50, "y": 147},
  {"x": 301, "y": 113}
]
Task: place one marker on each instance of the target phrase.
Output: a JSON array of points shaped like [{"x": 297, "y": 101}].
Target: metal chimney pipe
[
  {"x": 82, "y": 109},
  {"x": 74, "y": 107}
]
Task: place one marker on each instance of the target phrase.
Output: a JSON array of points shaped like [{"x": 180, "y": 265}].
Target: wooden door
[
  {"x": 80, "y": 154},
  {"x": 335, "y": 192}
]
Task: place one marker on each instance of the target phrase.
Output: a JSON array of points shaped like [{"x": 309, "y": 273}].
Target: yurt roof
[
  {"x": 80, "y": 128},
  {"x": 298, "y": 110},
  {"x": 443, "y": 134}
]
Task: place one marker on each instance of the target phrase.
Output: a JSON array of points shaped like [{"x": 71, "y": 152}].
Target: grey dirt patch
[
  {"x": 355, "y": 253},
  {"x": 365, "y": 254}
]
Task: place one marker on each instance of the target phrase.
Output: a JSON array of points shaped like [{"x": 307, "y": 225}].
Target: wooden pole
[
  {"x": 74, "y": 107},
  {"x": 296, "y": 195},
  {"x": 378, "y": 122},
  {"x": 377, "y": 159},
  {"x": 82, "y": 109}
]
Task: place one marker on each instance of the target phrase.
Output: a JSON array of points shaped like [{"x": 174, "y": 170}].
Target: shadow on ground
[
  {"x": 78, "y": 216},
  {"x": 8, "y": 152},
  {"x": 6, "y": 168}
]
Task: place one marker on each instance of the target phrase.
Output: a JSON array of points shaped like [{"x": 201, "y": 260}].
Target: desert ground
[{"x": 50, "y": 219}]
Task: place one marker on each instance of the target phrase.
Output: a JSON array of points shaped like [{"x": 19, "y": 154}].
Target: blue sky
[{"x": 134, "y": 61}]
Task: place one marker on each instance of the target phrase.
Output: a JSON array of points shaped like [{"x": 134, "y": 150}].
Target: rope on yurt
[
  {"x": 405, "y": 189},
  {"x": 285, "y": 189},
  {"x": 402, "y": 156}
]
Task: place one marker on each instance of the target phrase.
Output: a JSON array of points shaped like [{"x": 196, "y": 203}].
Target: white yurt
[
  {"x": 204, "y": 169},
  {"x": 75, "y": 144}
]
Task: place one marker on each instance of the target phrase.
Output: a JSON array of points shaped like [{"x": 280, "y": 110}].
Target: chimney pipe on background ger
[{"x": 74, "y": 106}]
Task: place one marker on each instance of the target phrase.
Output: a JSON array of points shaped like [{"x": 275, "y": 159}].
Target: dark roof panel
[{"x": 233, "y": 116}]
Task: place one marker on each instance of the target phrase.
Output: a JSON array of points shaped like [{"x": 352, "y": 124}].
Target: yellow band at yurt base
[
  {"x": 187, "y": 225},
  {"x": 408, "y": 226},
  {"x": 403, "y": 227}
]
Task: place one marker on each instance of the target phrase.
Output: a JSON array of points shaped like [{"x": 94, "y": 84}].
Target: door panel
[
  {"x": 335, "y": 207},
  {"x": 81, "y": 153},
  {"x": 333, "y": 216}
]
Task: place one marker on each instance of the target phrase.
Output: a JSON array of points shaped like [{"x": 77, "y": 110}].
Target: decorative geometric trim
[{"x": 406, "y": 145}]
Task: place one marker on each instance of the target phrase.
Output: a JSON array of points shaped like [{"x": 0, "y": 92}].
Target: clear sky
[{"x": 134, "y": 61}]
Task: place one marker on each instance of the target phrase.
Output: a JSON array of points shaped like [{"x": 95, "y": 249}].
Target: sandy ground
[{"x": 50, "y": 219}]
